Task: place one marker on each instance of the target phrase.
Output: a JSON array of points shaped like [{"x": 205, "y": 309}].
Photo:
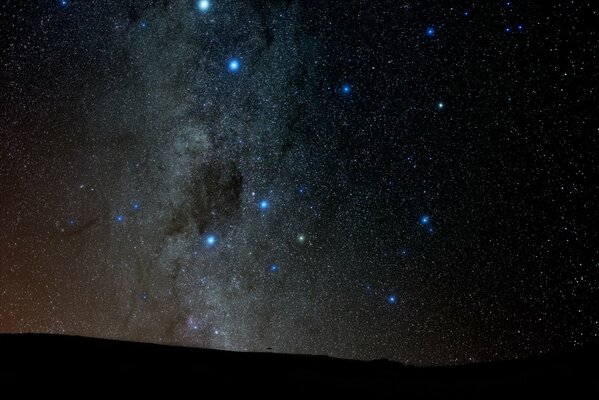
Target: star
[
  {"x": 507, "y": 29},
  {"x": 392, "y": 299},
  {"x": 135, "y": 206},
  {"x": 203, "y": 5},
  {"x": 345, "y": 89},
  {"x": 274, "y": 268},
  {"x": 301, "y": 238},
  {"x": 264, "y": 204},
  {"x": 72, "y": 221},
  {"x": 119, "y": 218},
  {"x": 192, "y": 323},
  {"x": 210, "y": 240},
  {"x": 431, "y": 31},
  {"x": 63, "y": 3},
  {"x": 424, "y": 220},
  {"x": 234, "y": 65},
  {"x": 143, "y": 24},
  {"x": 440, "y": 105}
]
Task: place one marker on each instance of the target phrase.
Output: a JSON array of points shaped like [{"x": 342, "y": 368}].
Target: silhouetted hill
[{"x": 66, "y": 359}]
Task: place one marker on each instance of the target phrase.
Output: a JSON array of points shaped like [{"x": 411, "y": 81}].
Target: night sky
[{"x": 362, "y": 179}]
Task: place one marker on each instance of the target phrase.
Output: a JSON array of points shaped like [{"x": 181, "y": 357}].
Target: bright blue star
[
  {"x": 431, "y": 31},
  {"x": 211, "y": 240},
  {"x": 346, "y": 89},
  {"x": 425, "y": 219},
  {"x": 392, "y": 299},
  {"x": 234, "y": 65},
  {"x": 520, "y": 27},
  {"x": 507, "y": 29},
  {"x": 143, "y": 24},
  {"x": 136, "y": 206},
  {"x": 119, "y": 218},
  {"x": 440, "y": 105},
  {"x": 274, "y": 268},
  {"x": 203, "y": 5},
  {"x": 466, "y": 13},
  {"x": 63, "y": 3},
  {"x": 264, "y": 205}
]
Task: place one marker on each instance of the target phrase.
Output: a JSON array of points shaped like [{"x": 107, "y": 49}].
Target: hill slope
[{"x": 64, "y": 358}]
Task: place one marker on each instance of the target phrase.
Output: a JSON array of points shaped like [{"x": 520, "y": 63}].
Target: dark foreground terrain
[{"x": 64, "y": 360}]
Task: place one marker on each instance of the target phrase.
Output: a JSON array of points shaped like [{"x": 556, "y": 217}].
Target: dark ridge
[{"x": 64, "y": 359}]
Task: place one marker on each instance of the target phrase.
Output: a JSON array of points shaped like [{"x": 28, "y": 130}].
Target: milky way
[{"x": 359, "y": 179}]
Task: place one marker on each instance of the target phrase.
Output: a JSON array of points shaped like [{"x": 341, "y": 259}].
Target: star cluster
[{"x": 357, "y": 179}]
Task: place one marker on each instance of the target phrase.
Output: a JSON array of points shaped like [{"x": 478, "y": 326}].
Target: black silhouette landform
[{"x": 65, "y": 359}]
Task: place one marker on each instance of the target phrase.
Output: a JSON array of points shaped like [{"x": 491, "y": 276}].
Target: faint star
[
  {"x": 392, "y": 299},
  {"x": 274, "y": 268},
  {"x": 119, "y": 218},
  {"x": 135, "y": 206}
]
